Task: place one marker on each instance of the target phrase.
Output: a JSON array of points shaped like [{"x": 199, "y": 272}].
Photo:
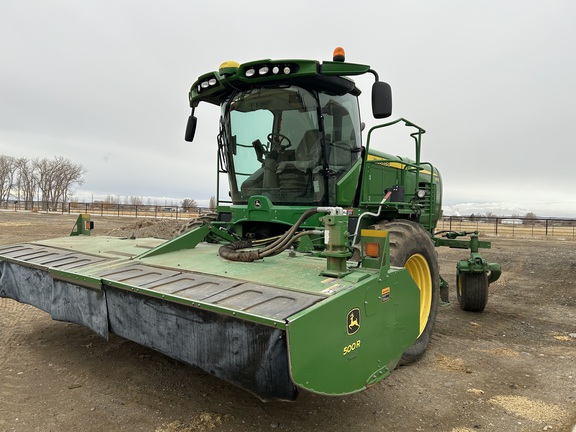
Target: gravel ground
[{"x": 510, "y": 368}]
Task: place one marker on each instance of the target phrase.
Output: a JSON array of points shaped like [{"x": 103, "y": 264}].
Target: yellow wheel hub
[{"x": 418, "y": 268}]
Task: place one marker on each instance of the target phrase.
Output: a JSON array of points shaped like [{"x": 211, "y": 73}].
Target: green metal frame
[
  {"x": 82, "y": 226},
  {"x": 475, "y": 263},
  {"x": 428, "y": 208}
]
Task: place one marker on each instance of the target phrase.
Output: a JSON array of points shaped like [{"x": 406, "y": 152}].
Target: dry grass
[{"x": 531, "y": 409}]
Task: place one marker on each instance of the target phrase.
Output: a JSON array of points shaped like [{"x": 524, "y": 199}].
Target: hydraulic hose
[
  {"x": 286, "y": 236},
  {"x": 284, "y": 246},
  {"x": 370, "y": 214},
  {"x": 233, "y": 252}
]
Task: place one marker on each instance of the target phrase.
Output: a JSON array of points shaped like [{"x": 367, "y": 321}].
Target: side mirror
[
  {"x": 381, "y": 100},
  {"x": 190, "y": 128}
]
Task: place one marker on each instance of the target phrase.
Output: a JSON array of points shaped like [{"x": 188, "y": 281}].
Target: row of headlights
[
  {"x": 255, "y": 71},
  {"x": 206, "y": 84},
  {"x": 264, "y": 70}
]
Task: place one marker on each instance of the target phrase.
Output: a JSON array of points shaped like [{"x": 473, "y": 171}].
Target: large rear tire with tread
[
  {"x": 472, "y": 291},
  {"x": 411, "y": 247}
]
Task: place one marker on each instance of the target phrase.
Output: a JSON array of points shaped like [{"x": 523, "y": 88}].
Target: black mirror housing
[
  {"x": 381, "y": 100},
  {"x": 190, "y": 128}
]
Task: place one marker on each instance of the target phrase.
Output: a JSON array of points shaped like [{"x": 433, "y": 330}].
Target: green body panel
[
  {"x": 113, "y": 249},
  {"x": 387, "y": 172},
  {"x": 261, "y": 209},
  {"x": 347, "y": 187},
  {"x": 383, "y": 171},
  {"x": 328, "y": 356},
  {"x": 379, "y": 176},
  {"x": 320, "y": 346},
  {"x": 343, "y": 69},
  {"x": 82, "y": 226}
]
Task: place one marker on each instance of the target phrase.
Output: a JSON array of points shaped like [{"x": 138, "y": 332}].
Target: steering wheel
[{"x": 279, "y": 140}]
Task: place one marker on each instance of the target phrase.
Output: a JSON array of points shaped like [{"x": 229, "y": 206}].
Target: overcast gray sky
[{"x": 105, "y": 84}]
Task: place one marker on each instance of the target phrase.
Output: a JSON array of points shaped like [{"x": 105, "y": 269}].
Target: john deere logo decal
[{"x": 353, "y": 322}]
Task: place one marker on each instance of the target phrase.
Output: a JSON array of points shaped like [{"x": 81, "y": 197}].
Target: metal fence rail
[
  {"x": 107, "y": 209},
  {"x": 493, "y": 226},
  {"x": 512, "y": 226}
]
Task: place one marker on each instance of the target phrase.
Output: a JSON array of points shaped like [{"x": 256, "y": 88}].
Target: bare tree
[
  {"x": 189, "y": 204},
  {"x": 69, "y": 175},
  {"x": 109, "y": 199},
  {"x": 7, "y": 173},
  {"x": 134, "y": 200},
  {"x": 212, "y": 203},
  {"x": 44, "y": 175},
  {"x": 530, "y": 218},
  {"x": 56, "y": 177},
  {"x": 27, "y": 181}
]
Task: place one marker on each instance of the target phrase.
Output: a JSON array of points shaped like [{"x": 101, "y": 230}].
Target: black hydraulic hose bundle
[{"x": 233, "y": 252}]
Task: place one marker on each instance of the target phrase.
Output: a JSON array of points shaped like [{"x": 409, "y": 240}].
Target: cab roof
[{"x": 331, "y": 77}]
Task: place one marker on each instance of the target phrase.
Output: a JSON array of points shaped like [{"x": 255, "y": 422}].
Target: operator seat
[{"x": 296, "y": 178}]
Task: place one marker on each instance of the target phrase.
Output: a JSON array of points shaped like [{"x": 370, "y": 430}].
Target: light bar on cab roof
[
  {"x": 270, "y": 69},
  {"x": 206, "y": 83}
]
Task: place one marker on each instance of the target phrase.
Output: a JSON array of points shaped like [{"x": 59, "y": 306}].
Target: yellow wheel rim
[{"x": 418, "y": 268}]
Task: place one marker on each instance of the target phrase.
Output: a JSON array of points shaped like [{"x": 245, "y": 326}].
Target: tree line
[
  {"x": 47, "y": 180},
  {"x": 52, "y": 181},
  {"x": 490, "y": 215}
]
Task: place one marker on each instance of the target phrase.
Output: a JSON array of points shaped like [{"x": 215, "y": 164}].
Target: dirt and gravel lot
[{"x": 510, "y": 368}]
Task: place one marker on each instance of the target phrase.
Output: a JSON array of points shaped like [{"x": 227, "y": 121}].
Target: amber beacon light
[{"x": 339, "y": 54}]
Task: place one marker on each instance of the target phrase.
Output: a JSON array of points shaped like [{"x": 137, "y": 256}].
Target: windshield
[{"x": 274, "y": 144}]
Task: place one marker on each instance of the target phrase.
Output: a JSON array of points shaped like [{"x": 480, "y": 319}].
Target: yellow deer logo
[{"x": 353, "y": 321}]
